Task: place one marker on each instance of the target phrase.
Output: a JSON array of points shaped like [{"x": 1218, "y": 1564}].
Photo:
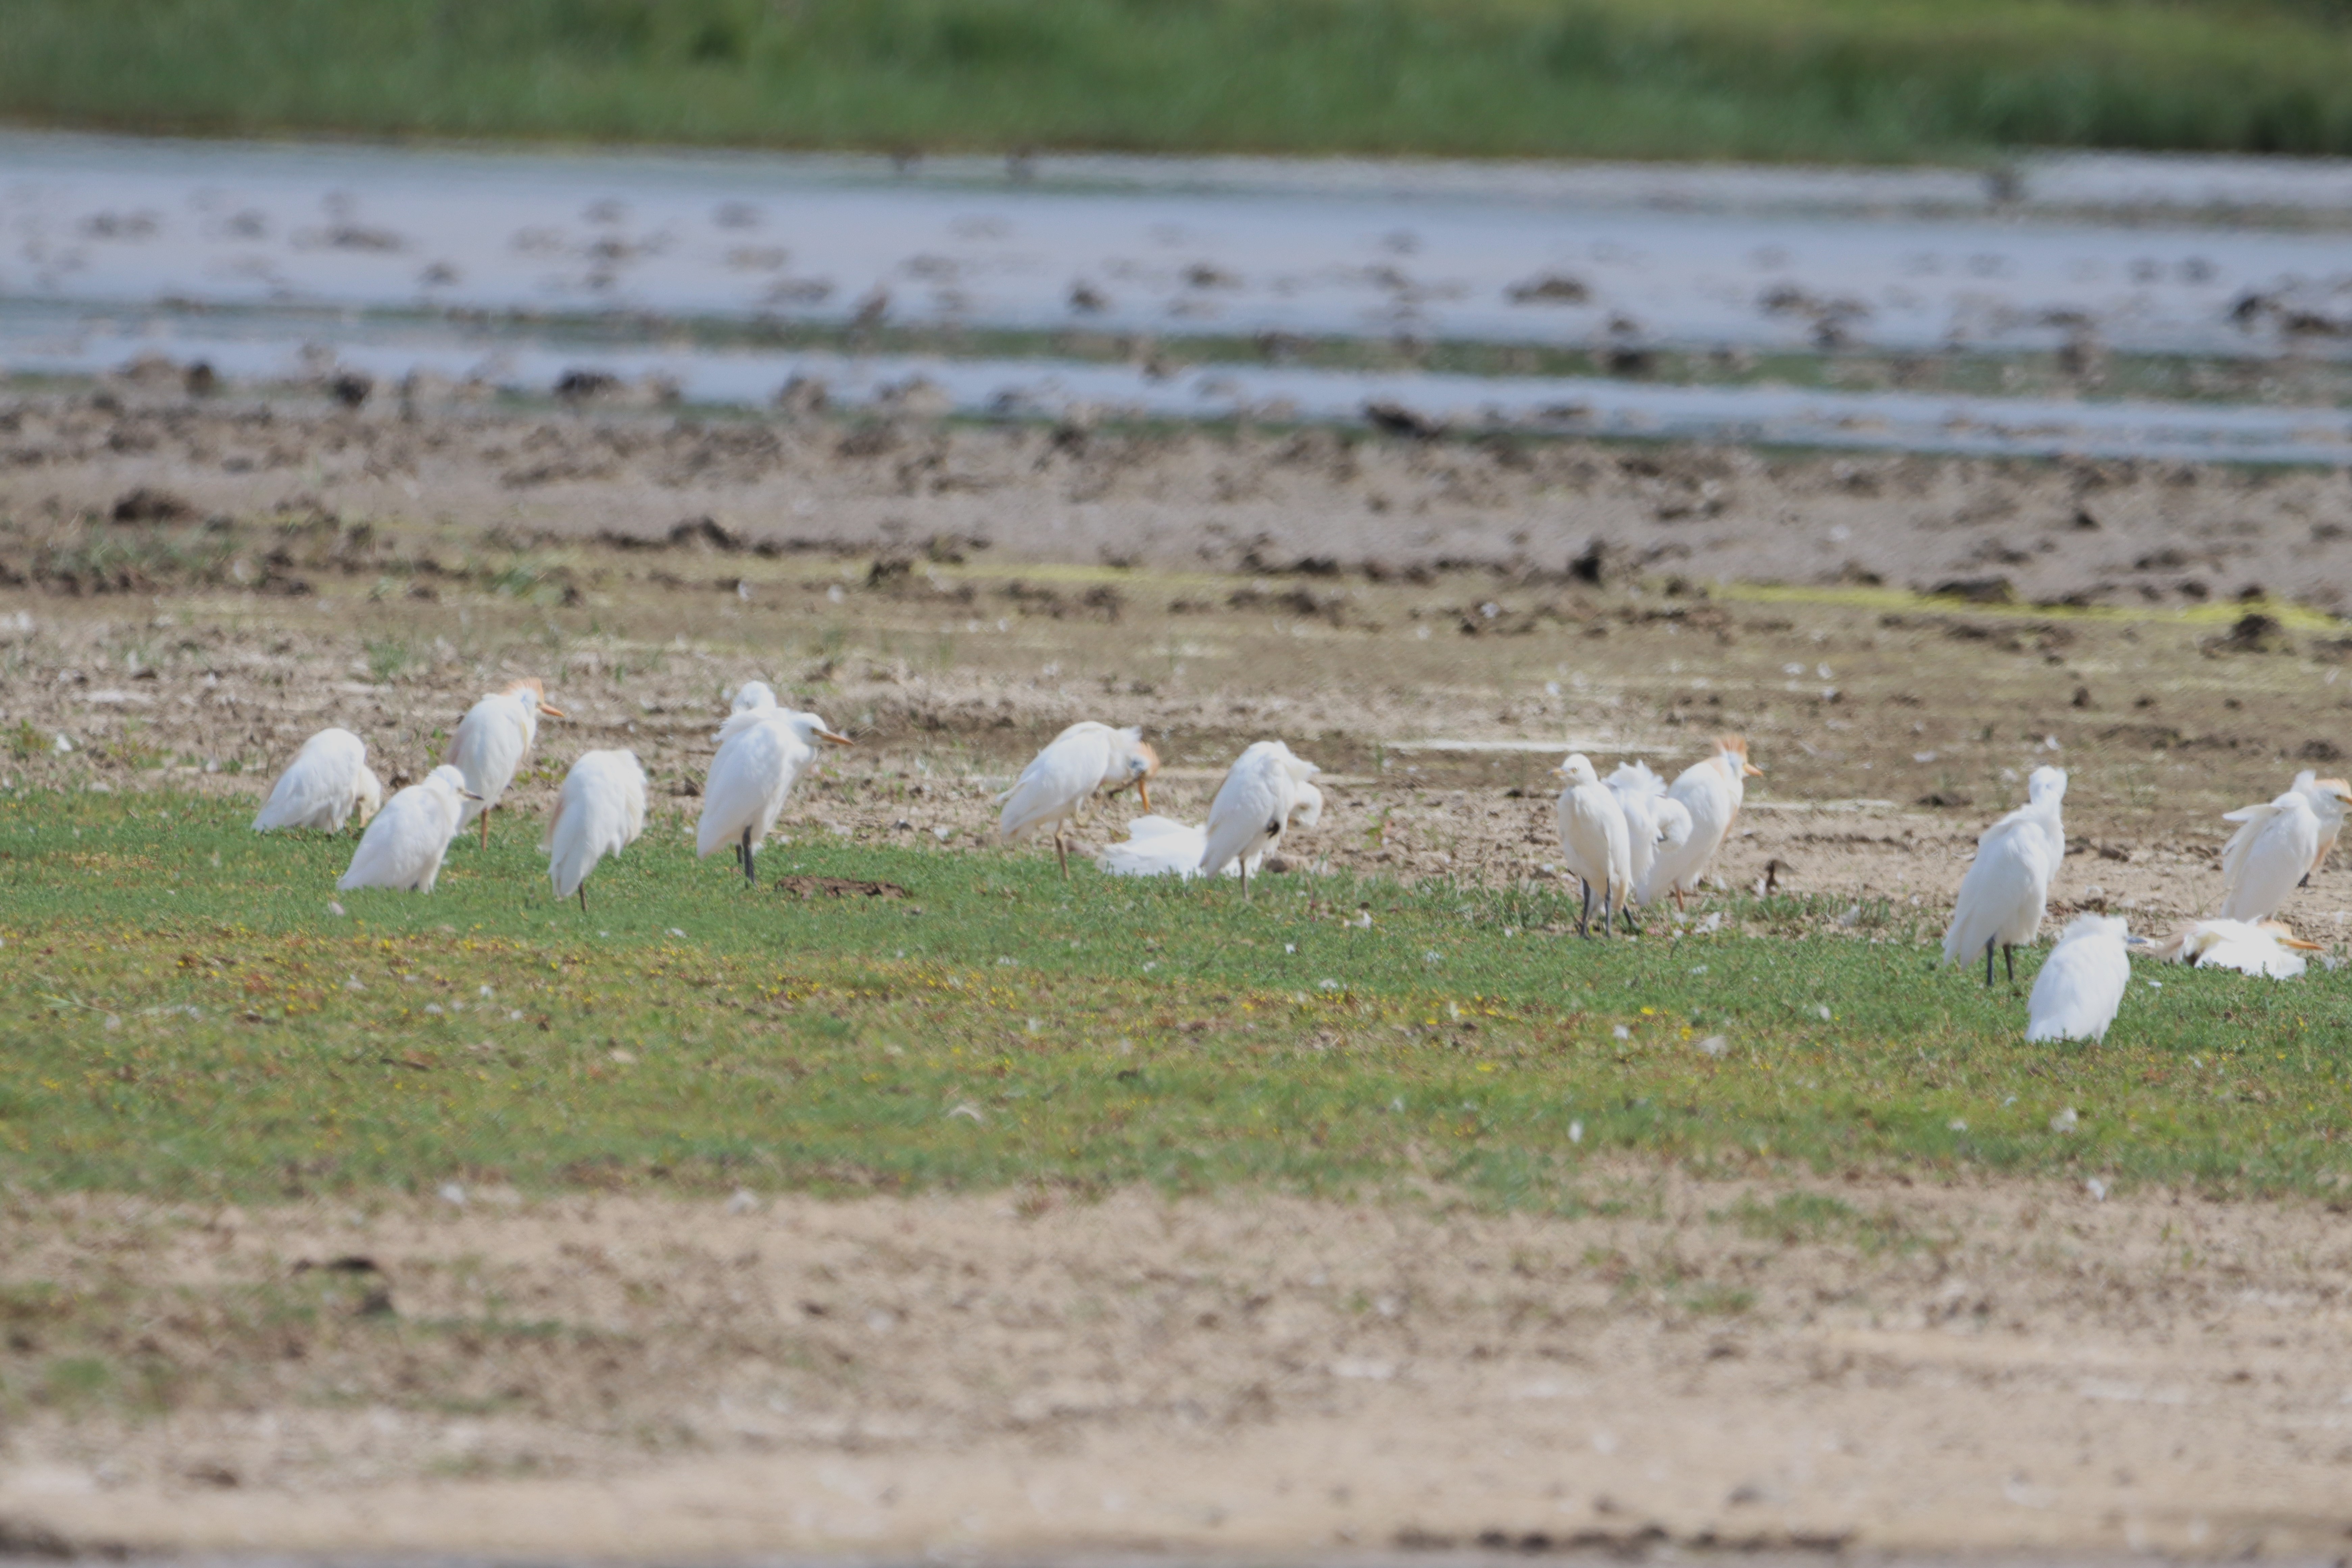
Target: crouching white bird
[
  {"x": 762, "y": 753},
  {"x": 326, "y": 783},
  {"x": 2007, "y": 887},
  {"x": 1253, "y": 808},
  {"x": 1593, "y": 840},
  {"x": 600, "y": 811},
  {"x": 1060, "y": 780},
  {"x": 403, "y": 847},
  {"x": 2081, "y": 983},
  {"x": 751, "y": 694},
  {"x": 1653, "y": 818},
  {"x": 1163, "y": 847},
  {"x": 1711, "y": 792},
  {"x": 492, "y": 739},
  {"x": 2251, "y": 947},
  {"x": 2275, "y": 847}
]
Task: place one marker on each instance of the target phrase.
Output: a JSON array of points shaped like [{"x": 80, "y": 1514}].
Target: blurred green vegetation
[{"x": 1867, "y": 80}]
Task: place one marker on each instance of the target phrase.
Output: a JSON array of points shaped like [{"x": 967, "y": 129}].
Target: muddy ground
[{"x": 189, "y": 592}]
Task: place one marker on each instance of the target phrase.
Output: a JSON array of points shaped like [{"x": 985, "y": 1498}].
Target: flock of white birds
[{"x": 1630, "y": 840}]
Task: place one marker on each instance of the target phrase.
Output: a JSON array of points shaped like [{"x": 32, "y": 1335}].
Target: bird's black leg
[
  {"x": 1632, "y": 924},
  {"x": 746, "y": 848},
  {"x": 1608, "y": 911},
  {"x": 1989, "y": 942},
  {"x": 2009, "y": 957},
  {"x": 584, "y": 897},
  {"x": 1061, "y": 852},
  {"x": 1584, "y": 914}
]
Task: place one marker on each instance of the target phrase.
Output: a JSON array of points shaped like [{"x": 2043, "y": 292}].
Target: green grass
[
  {"x": 1777, "y": 79},
  {"x": 182, "y": 1013}
]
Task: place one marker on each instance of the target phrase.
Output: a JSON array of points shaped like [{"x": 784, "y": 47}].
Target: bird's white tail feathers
[
  {"x": 1639, "y": 781},
  {"x": 2251, "y": 820}
]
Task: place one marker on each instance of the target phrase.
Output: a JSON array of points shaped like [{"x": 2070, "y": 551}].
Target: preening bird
[
  {"x": 2327, "y": 797},
  {"x": 2251, "y": 947},
  {"x": 1711, "y": 792},
  {"x": 761, "y": 750},
  {"x": 1653, "y": 818},
  {"x": 2275, "y": 846},
  {"x": 491, "y": 742},
  {"x": 751, "y": 694},
  {"x": 1059, "y": 781},
  {"x": 326, "y": 784},
  {"x": 403, "y": 847},
  {"x": 2081, "y": 983},
  {"x": 1163, "y": 847},
  {"x": 1252, "y": 808},
  {"x": 600, "y": 811},
  {"x": 2007, "y": 887},
  {"x": 1593, "y": 840}
]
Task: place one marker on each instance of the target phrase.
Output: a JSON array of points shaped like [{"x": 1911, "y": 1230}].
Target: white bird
[
  {"x": 1653, "y": 818},
  {"x": 2047, "y": 786},
  {"x": 1711, "y": 792},
  {"x": 2081, "y": 983},
  {"x": 600, "y": 811},
  {"x": 491, "y": 742},
  {"x": 2251, "y": 947},
  {"x": 751, "y": 694},
  {"x": 326, "y": 783},
  {"x": 403, "y": 846},
  {"x": 1059, "y": 781},
  {"x": 1593, "y": 840},
  {"x": 1163, "y": 847},
  {"x": 1253, "y": 806},
  {"x": 761, "y": 750},
  {"x": 2275, "y": 846},
  {"x": 2327, "y": 797},
  {"x": 2007, "y": 887}
]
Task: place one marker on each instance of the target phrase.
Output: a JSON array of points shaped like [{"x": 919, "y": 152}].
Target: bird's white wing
[
  {"x": 2005, "y": 889},
  {"x": 748, "y": 780},
  {"x": 600, "y": 811},
  {"x": 1250, "y": 811},
  {"x": 1157, "y": 847},
  {"x": 2080, "y": 987},
  {"x": 1703, "y": 792},
  {"x": 2268, "y": 854},
  {"x": 489, "y": 747},
  {"x": 318, "y": 786},
  {"x": 1057, "y": 781},
  {"x": 403, "y": 846}
]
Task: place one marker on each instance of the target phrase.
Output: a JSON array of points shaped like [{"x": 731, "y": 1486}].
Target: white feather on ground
[
  {"x": 2007, "y": 888},
  {"x": 2081, "y": 983},
  {"x": 2274, "y": 848},
  {"x": 600, "y": 811},
  {"x": 1253, "y": 806},
  {"x": 2265, "y": 948},
  {"x": 1593, "y": 840},
  {"x": 403, "y": 847},
  {"x": 323, "y": 786}
]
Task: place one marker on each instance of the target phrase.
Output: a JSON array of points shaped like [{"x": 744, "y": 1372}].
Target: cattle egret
[
  {"x": 1060, "y": 780},
  {"x": 1711, "y": 792},
  {"x": 2327, "y": 797},
  {"x": 761, "y": 752},
  {"x": 2249, "y": 947},
  {"x": 751, "y": 694},
  {"x": 600, "y": 811},
  {"x": 326, "y": 783},
  {"x": 2275, "y": 846},
  {"x": 2008, "y": 884},
  {"x": 1163, "y": 847},
  {"x": 2081, "y": 983},
  {"x": 403, "y": 846},
  {"x": 2047, "y": 786},
  {"x": 491, "y": 742},
  {"x": 1653, "y": 818},
  {"x": 1253, "y": 806},
  {"x": 1593, "y": 840}
]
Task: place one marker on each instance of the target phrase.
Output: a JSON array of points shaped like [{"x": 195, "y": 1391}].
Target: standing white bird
[
  {"x": 2327, "y": 797},
  {"x": 751, "y": 694},
  {"x": 600, "y": 811},
  {"x": 1059, "y": 781},
  {"x": 403, "y": 847},
  {"x": 2081, "y": 983},
  {"x": 2007, "y": 887},
  {"x": 2251, "y": 947},
  {"x": 1163, "y": 847},
  {"x": 326, "y": 783},
  {"x": 761, "y": 750},
  {"x": 1252, "y": 808},
  {"x": 1593, "y": 840},
  {"x": 1711, "y": 792},
  {"x": 491, "y": 742},
  {"x": 2275, "y": 846},
  {"x": 1653, "y": 818}
]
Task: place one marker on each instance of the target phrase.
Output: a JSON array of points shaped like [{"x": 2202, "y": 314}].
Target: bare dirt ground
[
  {"x": 185, "y": 593},
  {"x": 1961, "y": 1369}
]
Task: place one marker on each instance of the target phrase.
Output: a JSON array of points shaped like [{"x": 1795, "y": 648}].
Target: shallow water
[{"x": 394, "y": 259}]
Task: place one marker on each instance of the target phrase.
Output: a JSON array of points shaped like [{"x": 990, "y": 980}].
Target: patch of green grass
[
  {"x": 180, "y": 1026},
  {"x": 387, "y": 657},
  {"x": 1837, "y": 78}
]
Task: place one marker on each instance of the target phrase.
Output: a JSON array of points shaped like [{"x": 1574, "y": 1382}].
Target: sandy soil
[{"x": 1957, "y": 1369}]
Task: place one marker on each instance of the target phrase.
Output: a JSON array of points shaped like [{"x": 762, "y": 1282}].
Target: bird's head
[
  {"x": 2337, "y": 790},
  {"x": 368, "y": 799},
  {"x": 450, "y": 779},
  {"x": 532, "y": 690},
  {"x": 1137, "y": 762},
  {"x": 2283, "y": 934},
  {"x": 752, "y": 694},
  {"x": 1576, "y": 769},
  {"x": 2046, "y": 784},
  {"x": 1733, "y": 750},
  {"x": 812, "y": 728}
]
